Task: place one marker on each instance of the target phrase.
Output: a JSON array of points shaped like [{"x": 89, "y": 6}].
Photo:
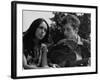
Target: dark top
[{"x": 65, "y": 53}]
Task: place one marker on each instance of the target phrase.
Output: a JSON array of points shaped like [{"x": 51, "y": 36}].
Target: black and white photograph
[
  {"x": 61, "y": 41},
  {"x": 53, "y": 39}
]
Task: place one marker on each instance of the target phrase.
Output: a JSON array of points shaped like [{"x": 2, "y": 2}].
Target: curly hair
[{"x": 72, "y": 19}]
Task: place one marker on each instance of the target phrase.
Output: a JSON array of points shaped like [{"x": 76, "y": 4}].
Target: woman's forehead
[{"x": 43, "y": 24}]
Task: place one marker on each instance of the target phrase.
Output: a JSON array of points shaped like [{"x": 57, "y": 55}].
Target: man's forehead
[{"x": 67, "y": 25}]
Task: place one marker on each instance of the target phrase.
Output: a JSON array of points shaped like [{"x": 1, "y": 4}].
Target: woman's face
[{"x": 41, "y": 31}]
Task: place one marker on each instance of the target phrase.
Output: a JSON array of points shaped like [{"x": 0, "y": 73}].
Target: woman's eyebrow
[{"x": 43, "y": 27}]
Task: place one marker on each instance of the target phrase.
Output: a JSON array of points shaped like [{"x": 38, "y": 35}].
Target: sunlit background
[{"x": 29, "y": 16}]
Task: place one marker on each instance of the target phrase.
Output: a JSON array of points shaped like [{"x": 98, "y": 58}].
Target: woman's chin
[{"x": 40, "y": 38}]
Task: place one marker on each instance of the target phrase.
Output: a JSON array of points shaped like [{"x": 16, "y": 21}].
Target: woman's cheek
[{"x": 44, "y": 33}]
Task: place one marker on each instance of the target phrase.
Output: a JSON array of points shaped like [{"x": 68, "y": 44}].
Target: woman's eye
[
  {"x": 63, "y": 29},
  {"x": 43, "y": 28}
]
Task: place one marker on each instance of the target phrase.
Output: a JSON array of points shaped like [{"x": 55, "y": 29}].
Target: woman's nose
[{"x": 42, "y": 31}]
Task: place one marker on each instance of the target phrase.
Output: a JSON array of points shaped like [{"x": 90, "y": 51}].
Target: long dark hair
[{"x": 30, "y": 33}]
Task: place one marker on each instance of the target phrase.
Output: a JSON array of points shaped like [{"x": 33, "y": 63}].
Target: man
[{"x": 72, "y": 50}]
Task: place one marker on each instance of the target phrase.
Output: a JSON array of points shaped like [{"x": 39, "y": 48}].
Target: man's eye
[
  {"x": 63, "y": 29},
  {"x": 41, "y": 27},
  {"x": 68, "y": 29}
]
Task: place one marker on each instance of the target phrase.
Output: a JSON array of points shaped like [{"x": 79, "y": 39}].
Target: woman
[{"x": 34, "y": 49}]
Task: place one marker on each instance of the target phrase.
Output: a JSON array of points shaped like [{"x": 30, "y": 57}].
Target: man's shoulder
[{"x": 85, "y": 41}]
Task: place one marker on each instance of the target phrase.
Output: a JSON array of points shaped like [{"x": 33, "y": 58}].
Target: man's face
[
  {"x": 41, "y": 31},
  {"x": 69, "y": 32}
]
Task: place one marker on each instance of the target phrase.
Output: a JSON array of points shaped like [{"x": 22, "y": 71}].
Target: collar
[{"x": 79, "y": 40}]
